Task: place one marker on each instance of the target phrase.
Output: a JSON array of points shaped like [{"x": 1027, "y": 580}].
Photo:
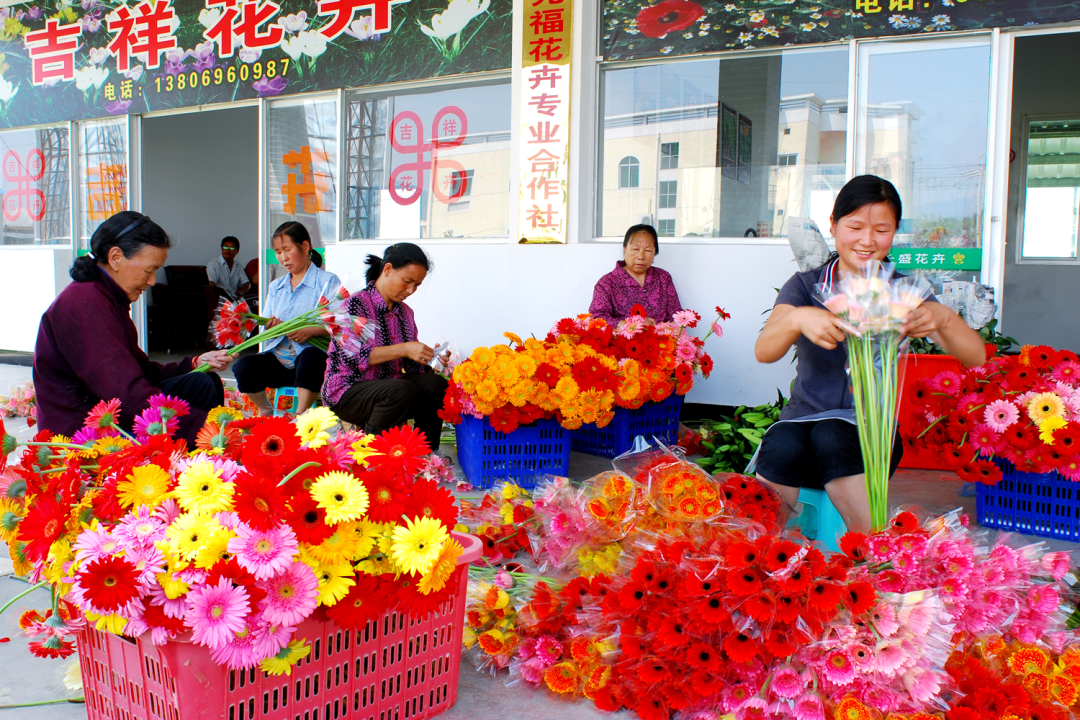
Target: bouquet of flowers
[
  {"x": 232, "y": 544},
  {"x": 579, "y": 373},
  {"x": 1023, "y": 409},
  {"x": 21, "y": 403},
  {"x": 874, "y": 305}
]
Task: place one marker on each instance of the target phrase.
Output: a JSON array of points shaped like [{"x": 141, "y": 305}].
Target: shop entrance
[
  {"x": 1042, "y": 272},
  {"x": 200, "y": 181}
]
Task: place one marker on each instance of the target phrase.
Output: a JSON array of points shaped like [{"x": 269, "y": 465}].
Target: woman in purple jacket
[
  {"x": 87, "y": 348},
  {"x": 635, "y": 281}
]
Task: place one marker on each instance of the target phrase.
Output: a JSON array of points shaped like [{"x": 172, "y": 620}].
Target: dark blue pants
[{"x": 255, "y": 373}]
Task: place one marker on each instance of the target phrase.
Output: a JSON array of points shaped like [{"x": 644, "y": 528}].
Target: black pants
[
  {"x": 810, "y": 454},
  {"x": 378, "y": 405},
  {"x": 255, "y": 373},
  {"x": 202, "y": 391}
]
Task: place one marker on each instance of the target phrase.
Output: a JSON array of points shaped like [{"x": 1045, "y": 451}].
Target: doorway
[{"x": 200, "y": 182}]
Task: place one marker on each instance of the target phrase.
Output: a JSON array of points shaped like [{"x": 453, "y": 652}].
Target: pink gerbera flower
[
  {"x": 809, "y": 707},
  {"x": 1043, "y": 599},
  {"x": 838, "y": 668},
  {"x": 105, "y": 414},
  {"x": 1000, "y": 414},
  {"x": 239, "y": 652},
  {"x": 150, "y": 422},
  {"x": 630, "y": 327},
  {"x": 216, "y": 613},
  {"x": 890, "y": 658},
  {"x": 946, "y": 382},
  {"x": 883, "y": 618},
  {"x": 140, "y": 528},
  {"x": 1067, "y": 372},
  {"x": 95, "y": 543},
  {"x": 548, "y": 649},
  {"x": 1056, "y": 563},
  {"x": 272, "y": 639},
  {"x": 290, "y": 595},
  {"x": 263, "y": 553},
  {"x": 686, "y": 318},
  {"x": 85, "y": 436},
  {"x": 985, "y": 439},
  {"x": 786, "y": 683},
  {"x": 169, "y": 406},
  {"x": 922, "y": 684}
]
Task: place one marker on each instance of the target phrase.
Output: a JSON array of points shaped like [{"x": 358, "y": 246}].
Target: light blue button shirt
[{"x": 285, "y": 302}]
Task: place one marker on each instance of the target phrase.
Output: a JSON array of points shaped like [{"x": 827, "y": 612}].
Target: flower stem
[
  {"x": 291, "y": 475},
  {"x": 24, "y": 593},
  {"x": 46, "y": 702}
]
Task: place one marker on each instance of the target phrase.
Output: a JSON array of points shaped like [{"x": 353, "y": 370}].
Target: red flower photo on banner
[{"x": 667, "y": 17}]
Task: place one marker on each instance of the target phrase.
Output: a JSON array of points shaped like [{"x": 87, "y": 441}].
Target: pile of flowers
[
  {"x": 236, "y": 541},
  {"x": 703, "y": 614},
  {"x": 21, "y": 403},
  {"x": 1022, "y": 409},
  {"x": 580, "y": 372}
]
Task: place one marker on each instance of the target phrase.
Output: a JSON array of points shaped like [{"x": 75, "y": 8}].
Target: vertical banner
[{"x": 544, "y": 140}]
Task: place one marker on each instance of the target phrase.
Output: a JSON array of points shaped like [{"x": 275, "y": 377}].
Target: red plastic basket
[{"x": 396, "y": 668}]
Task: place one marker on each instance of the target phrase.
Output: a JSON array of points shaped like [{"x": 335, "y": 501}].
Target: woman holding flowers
[
  {"x": 816, "y": 443},
  {"x": 87, "y": 347},
  {"x": 289, "y": 360},
  {"x": 635, "y": 281},
  {"x": 382, "y": 383}
]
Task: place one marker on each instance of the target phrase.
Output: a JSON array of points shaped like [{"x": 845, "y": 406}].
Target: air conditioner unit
[{"x": 645, "y": 220}]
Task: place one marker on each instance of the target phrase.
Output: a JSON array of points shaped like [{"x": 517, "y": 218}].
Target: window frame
[
  {"x": 661, "y": 195},
  {"x": 633, "y": 173},
  {"x": 1021, "y": 201}
]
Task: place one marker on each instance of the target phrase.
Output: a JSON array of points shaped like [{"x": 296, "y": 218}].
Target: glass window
[
  {"x": 788, "y": 160},
  {"x": 429, "y": 165},
  {"x": 103, "y": 174},
  {"x": 628, "y": 172},
  {"x": 1052, "y": 190},
  {"x": 302, "y": 157},
  {"x": 716, "y": 129},
  {"x": 665, "y": 228},
  {"x": 35, "y": 187},
  {"x": 925, "y": 130}
]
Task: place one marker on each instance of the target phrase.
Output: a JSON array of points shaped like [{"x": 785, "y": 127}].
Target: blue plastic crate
[
  {"x": 524, "y": 456},
  {"x": 1044, "y": 504},
  {"x": 660, "y": 420}
]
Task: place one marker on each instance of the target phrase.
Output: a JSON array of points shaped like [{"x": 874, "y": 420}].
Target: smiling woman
[{"x": 87, "y": 348}]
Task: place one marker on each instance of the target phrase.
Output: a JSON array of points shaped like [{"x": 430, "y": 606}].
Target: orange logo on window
[
  {"x": 106, "y": 186},
  {"x": 306, "y": 184}
]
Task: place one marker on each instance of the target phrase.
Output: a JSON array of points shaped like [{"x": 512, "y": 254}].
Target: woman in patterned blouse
[
  {"x": 386, "y": 381},
  {"x": 635, "y": 281}
]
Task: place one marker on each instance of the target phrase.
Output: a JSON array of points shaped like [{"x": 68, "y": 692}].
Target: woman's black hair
[
  {"x": 635, "y": 229},
  {"x": 298, "y": 235},
  {"x": 861, "y": 191},
  {"x": 398, "y": 255},
  {"x": 128, "y": 230}
]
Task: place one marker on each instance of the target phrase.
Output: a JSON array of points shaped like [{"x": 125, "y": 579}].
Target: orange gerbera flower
[
  {"x": 1028, "y": 660},
  {"x": 1064, "y": 690},
  {"x": 562, "y": 677},
  {"x": 851, "y": 709}
]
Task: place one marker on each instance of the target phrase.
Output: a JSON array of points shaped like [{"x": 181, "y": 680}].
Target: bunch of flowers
[
  {"x": 874, "y": 305},
  {"x": 495, "y": 597},
  {"x": 21, "y": 403},
  {"x": 579, "y": 373},
  {"x": 501, "y": 521},
  {"x": 237, "y": 541},
  {"x": 1024, "y": 409},
  {"x": 233, "y": 323}
]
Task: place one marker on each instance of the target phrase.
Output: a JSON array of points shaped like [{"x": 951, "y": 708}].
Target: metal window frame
[{"x": 1021, "y": 198}]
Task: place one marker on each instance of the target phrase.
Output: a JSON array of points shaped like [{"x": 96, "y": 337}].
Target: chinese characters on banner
[
  {"x": 545, "y": 121},
  {"x": 21, "y": 174},
  {"x": 449, "y": 128},
  {"x": 938, "y": 258},
  {"x": 304, "y": 189}
]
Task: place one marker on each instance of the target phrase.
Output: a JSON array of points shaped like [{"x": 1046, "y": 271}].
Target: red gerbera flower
[
  {"x": 706, "y": 365},
  {"x": 259, "y": 501},
  {"x": 505, "y": 419},
  {"x": 780, "y": 643},
  {"x": 859, "y": 597},
  {"x": 823, "y": 595},
  {"x": 723, "y": 315},
  {"x": 701, "y": 655},
  {"x": 386, "y": 494},
  {"x": 547, "y": 374},
  {"x": 639, "y": 310},
  {"x": 740, "y": 647},
  {"x": 109, "y": 583},
  {"x": 400, "y": 451},
  {"x": 42, "y": 526},
  {"x": 744, "y": 582},
  {"x": 761, "y": 607},
  {"x": 430, "y": 500},
  {"x": 684, "y": 373},
  {"x": 156, "y": 617},
  {"x": 274, "y": 438},
  {"x": 367, "y": 600},
  {"x": 417, "y": 605},
  {"x": 853, "y": 545},
  {"x": 52, "y": 647},
  {"x": 308, "y": 520},
  {"x": 778, "y": 555},
  {"x": 905, "y": 522},
  {"x": 986, "y": 472}
]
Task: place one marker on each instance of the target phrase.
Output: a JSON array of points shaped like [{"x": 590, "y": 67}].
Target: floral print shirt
[
  {"x": 349, "y": 365},
  {"x": 617, "y": 292}
]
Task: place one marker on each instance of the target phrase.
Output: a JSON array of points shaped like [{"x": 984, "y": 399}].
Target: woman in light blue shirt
[{"x": 289, "y": 361}]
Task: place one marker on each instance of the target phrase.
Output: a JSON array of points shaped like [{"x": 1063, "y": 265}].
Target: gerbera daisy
[
  {"x": 361, "y": 449},
  {"x": 946, "y": 382},
  {"x": 851, "y": 709},
  {"x": 416, "y": 545},
  {"x": 150, "y": 422},
  {"x": 240, "y": 651},
  {"x": 985, "y": 439},
  {"x": 312, "y": 426},
  {"x": 216, "y": 613},
  {"x": 386, "y": 494},
  {"x": 740, "y": 647},
  {"x": 105, "y": 414},
  {"x": 201, "y": 490},
  {"x": 859, "y": 597},
  {"x": 108, "y": 584},
  {"x": 367, "y": 600},
  {"x": 823, "y": 595},
  {"x": 428, "y": 500},
  {"x": 986, "y": 472},
  {"x": 290, "y": 596},
  {"x": 219, "y": 440},
  {"x": 42, "y": 525},
  {"x": 1029, "y": 660},
  {"x": 808, "y": 707},
  {"x": 222, "y": 416},
  {"x": 339, "y": 548},
  {"x": 258, "y": 501},
  {"x": 146, "y": 485},
  {"x": 341, "y": 495},
  {"x": 400, "y": 451},
  {"x": 838, "y": 668},
  {"x": 263, "y": 552},
  {"x": 1045, "y": 405},
  {"x": 51, "y": 647},
  {"x": 445, "y": 564},
  {"x": 786, "y": 683},
  {"x": 272, "y": 438},
  {"x": 282, "y": 663},
  {"x": 188, "y": 532},
  {"x": 170, "y": 407},
  {"x": 562, "y": 677},
  {"x": 334, "y": 582},
  {"x": 308, "y": 520}
]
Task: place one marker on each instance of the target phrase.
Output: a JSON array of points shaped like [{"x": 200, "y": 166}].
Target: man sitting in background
[{"x": 225, "y": 272}]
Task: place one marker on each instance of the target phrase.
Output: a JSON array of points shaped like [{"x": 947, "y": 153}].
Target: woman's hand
[
  {"x": 926, "y": 320},
  {"x": 216, "y": 359},
  {"x": 418, "y": 352},
  {"x": 304, "y": 334},
  {"x": 649, "y": 321},
  {"x": 820, "y": 327},
  {"x": 949, "y": 331},
  {"x": 272, "y": 322}
]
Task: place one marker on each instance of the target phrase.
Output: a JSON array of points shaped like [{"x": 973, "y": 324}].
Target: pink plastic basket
[{"x": 396, "y": 668}]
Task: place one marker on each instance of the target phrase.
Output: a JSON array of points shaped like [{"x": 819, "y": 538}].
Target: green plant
[
  {"x": 732, "y": 440},
  {"x": 989, "y": 334}
]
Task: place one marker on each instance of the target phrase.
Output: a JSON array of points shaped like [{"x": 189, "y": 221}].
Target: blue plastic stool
[
  {"x": 819, "y": 520},
  {"x": 286, "y": 400}
]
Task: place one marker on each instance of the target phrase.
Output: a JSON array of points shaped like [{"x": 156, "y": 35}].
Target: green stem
[
  {"x": 24, "y": 593},
  {"x": 291, "y": 475},
  {"x": 308, "y": 319},
  {"x": 45, "y": 702},
  {"x": 55, "y": 444}
]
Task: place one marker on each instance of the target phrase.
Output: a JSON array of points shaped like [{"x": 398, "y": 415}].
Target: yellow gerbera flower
[
  {"x": 283, "y": 662},
  {"x": 512, "y": 338},
  {"x": 146, "y": 485},
  {"x": 341, "y": 495},
  {"x": 215, "y": 549},
  {"x": 201, "y": 490},
  {"x": 367, "y": 535},
  {"x": 435, "y": 579},
  {"x": 417, "y": 544},
  {"x": 337, "y": 549},
  {"x": 189, "y": 532},
  {"x": 1045, "y": 405},
  {"x": 222, "y": 416},
  {"x": 110, "y": 444},
  {"x": 334, "y": 582},
  {"x": 361, "y": 451},
  {"x": 312, "y": 426},
  {"x": 10, "y": 514}
]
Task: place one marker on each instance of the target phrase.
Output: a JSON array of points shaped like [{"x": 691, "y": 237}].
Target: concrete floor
[{"x": 24, "y": 678}]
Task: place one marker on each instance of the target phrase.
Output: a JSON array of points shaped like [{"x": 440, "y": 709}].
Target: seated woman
[
  {"x": 816, "y": 443},
  {"x": 87, "y": 348},
  {"x": 635, "y": 281},
  {"x": 289, "y": 361},
  {"x": 388, "y": 381}
]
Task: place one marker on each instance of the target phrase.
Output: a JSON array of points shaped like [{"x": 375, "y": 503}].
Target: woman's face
[
  {"x": 866, "y": 234},
  {"x": 136, "y": 273},
  {"x": 639, "y": 253},
  {"x": 294, "y": 258},
  {"x": 397, "y": 285}
]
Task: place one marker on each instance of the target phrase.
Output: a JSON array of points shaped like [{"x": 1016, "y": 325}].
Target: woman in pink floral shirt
[{"x": 635, "y": 281}]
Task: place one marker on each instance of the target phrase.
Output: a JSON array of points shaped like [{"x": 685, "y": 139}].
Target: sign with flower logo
[
  {"x": 646, "y": 28},
  {"x": 104, "y": 57}
]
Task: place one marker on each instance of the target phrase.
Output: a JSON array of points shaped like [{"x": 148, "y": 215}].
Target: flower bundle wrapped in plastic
[
  {"x": 500, "y": 521},
  {"x": 21, "y": 403},
  {"x": 236, "y": 542},
  {"x": 1024, "y": 409},
  {"x": 233, "y": 323},
  {"x": 874, "y": 305}
]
